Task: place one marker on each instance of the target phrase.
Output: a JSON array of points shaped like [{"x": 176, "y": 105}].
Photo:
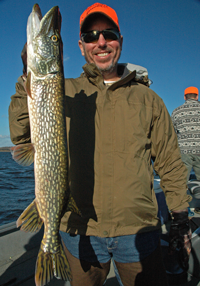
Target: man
[
  {"x": 116, "y": 126},
  {"x": 186, "y": 120}
]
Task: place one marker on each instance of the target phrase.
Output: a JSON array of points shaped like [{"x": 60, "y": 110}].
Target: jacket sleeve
[
  {"x": 18, "y": 115},
  {"x": 168, "y": 164}
]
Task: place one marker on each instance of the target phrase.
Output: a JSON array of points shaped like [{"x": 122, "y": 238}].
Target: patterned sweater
[{"x": 186, "y": 121}]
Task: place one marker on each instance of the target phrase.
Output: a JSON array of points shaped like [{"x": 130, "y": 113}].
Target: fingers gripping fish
[{"x": 48, "y": 147}]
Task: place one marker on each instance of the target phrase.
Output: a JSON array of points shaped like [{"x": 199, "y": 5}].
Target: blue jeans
[{"x": 124, "y": 250}]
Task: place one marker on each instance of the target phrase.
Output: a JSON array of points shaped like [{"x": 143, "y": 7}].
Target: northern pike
[{"x": 48, "y": 147}]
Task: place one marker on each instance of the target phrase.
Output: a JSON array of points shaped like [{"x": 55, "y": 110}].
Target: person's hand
[
  {"x": 24, "y": 61},
  {"x": 180, "y": 236}
]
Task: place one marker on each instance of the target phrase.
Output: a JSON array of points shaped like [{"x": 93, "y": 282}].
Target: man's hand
[{"x": 180, "y": 236}]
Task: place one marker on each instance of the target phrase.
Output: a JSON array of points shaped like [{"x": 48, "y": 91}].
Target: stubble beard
[{"x": 104, "y": 71}]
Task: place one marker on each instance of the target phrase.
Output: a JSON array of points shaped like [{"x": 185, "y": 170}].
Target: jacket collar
[{"x": 128, "y": 72}]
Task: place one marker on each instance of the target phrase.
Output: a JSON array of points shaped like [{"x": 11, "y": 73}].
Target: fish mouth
[{"x": 46, "y": 59}]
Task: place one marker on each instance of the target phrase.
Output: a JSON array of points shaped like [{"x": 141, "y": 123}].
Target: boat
[
  {"x": 19, "y": 250},
  {"x": 18, "y": 254},
  {"x": 176, "y": 275}
]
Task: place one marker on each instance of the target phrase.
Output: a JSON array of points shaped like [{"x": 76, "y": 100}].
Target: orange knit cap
[
  {"x": 191, "y": 89},
  {"x": 100, "y": 8}
]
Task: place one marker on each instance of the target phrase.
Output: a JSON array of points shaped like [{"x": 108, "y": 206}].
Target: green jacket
[{"x": 114, "y": 134}]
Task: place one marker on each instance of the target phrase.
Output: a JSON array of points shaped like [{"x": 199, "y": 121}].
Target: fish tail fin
[
  {"x": 44, "y": 268},
  {"x": 49, "y": 265},
  {"x": 30, "y": 220},
  {"x": 61, "y": 268}
]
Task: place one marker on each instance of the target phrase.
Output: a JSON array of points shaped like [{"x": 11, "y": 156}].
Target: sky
[{"x": 161, "y": 35}]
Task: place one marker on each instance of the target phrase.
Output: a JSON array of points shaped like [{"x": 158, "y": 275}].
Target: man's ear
[
  {"x": 80, "y": 44},
  {"x": 121, "y": 41}
]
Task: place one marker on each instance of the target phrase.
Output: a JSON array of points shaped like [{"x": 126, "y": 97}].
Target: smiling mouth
[{"x": 102, "y": 54}]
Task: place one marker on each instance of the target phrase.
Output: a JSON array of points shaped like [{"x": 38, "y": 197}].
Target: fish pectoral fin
[
  {"x": 23, "y": 154},
  {"x": 28, "y": 85},
  {"x": 51, "y": 264},
  {"x": 30, "y": 220}
]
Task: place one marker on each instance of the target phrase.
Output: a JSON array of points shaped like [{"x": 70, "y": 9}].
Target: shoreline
[{"x": 5, "y": 149}]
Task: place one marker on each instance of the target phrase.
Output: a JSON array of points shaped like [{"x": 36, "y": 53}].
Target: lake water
[{"x": 17, "y": 188}]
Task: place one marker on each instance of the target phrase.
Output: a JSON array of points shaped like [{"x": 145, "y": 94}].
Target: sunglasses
[{"x": 93, "y": 36}]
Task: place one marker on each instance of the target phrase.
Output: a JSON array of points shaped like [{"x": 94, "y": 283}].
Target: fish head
[{"x": 44, "y": 42}]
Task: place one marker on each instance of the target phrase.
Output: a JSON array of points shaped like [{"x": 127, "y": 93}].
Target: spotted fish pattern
[{"x": 48, "y": 147}]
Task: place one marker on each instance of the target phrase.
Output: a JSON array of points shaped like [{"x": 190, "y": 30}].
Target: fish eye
[{"x": 54, "y": 38}]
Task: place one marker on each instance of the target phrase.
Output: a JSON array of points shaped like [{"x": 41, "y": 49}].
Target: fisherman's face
[{"x": 103, "y": 53}]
